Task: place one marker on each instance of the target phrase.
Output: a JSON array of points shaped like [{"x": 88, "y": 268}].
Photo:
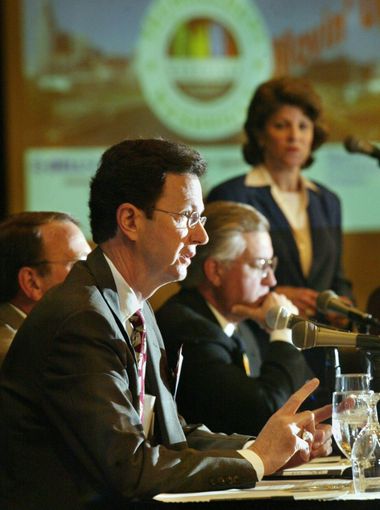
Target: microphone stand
[
  {"x": 373, "y": 357},
  {"x": 364, "y": 327}
]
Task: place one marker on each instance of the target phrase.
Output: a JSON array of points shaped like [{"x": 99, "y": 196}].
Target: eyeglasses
[
  {"x": 264, "y": 265},
  {"x": 187, "y": 219}
]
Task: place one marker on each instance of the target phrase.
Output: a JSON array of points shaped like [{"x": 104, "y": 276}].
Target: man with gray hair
[{"x": 230, "y": 367}]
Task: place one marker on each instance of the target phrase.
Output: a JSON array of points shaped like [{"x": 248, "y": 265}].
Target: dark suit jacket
[
  {"x": 10, "y": 321},
  {"x": 213, "y": 386},
  {"x": 326, "y": 230},
  {"x": 326, "y": 272},
  {"x": 70, "y": 435}
]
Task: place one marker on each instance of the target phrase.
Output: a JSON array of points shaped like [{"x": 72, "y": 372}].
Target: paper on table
[
  {"x": 296, "y": 489},
  {"x": 321, "y": 466}
]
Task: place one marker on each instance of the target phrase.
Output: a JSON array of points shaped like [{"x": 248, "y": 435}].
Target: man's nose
[
  {"x": 269, "y": 278},
  {"x": 198, "y": 234}
]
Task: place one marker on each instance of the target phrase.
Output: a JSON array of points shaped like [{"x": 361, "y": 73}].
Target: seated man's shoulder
[
  {"x": 186, "y": 319},
  {"x": 179, "y": 318},
  {"x": 177, "y": 308}
]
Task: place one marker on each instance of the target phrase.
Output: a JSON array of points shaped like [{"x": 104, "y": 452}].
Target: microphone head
[
  {"x": 355, "y": 145},
  {"x": 323, "y": 300},
  {"x": 304, "y": 334},
  {"x": 351, "y": 144},
  {"x": 277, "y": 317}
]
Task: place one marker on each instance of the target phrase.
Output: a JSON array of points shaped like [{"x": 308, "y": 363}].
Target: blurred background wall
[{"x": 80, "y": 75}]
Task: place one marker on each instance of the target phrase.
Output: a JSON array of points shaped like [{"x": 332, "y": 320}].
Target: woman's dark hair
[{"x": 267, "y": 99}]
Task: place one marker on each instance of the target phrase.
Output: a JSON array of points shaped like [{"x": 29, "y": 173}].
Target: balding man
[{"x": 37, "y": 250}]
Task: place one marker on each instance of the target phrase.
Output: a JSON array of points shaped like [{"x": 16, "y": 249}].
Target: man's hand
[
  {"x": 321, "y": 444},
  {"x": 257, "y": 311},
  {"x": 280, "y": 442}
]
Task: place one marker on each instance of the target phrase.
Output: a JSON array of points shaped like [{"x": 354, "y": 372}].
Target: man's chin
[
  {"x": 179, "y": 275},
  {"x": 182, "y": 274}
]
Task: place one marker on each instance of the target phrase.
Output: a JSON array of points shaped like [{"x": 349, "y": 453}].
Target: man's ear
[
  {"x": 213, "y": 269},
  {"x": 30, "y": 283},
  {"x": 127, "y": 217}
]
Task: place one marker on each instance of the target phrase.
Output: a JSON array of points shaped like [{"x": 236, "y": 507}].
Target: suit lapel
[
  {"x": 10, "y": 316},
  {"x": 269, "y": 207},
  {"x": 102, "y": 275},
  {"x": 319, "y": 235},
  {"x": 104, "y": 280},
  {"x": 158, "y": 384},
  {"x": 236, "y": 342},
  {"x": 106, "y": 285},
  {"x": 156, "y": 369}
]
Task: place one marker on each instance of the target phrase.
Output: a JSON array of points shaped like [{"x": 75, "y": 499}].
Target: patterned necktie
[{"x": 138, "y": 339}]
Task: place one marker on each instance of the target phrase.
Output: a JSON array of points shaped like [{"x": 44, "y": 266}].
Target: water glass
[
  {"x": 352, "y": 382},
  {"x": 349, "y": 417},
  {"x": 366, "y": 452}
]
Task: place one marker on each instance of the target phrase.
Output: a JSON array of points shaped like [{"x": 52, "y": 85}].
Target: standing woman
[{"x": 284, "y": 127}]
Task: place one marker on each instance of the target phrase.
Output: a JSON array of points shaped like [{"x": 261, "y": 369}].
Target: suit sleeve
[{"x": 88, "y": 394}]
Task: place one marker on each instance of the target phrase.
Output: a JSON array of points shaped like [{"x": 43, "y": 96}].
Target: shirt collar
[
  {"x": 228, "y": 327},
  {"x": 259, "y": 176},
  {"x": 127, "y": 298}
]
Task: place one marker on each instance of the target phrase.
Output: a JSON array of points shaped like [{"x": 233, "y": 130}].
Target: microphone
[
  {"x": 355, "y": 145},
  {"x": 328, "y": 301},
  {"x": 279, "y": 317},
  {"x": 306, "y": 335}
]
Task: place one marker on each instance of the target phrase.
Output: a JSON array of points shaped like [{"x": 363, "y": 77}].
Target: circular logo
[{"x": 199, "y": 61}]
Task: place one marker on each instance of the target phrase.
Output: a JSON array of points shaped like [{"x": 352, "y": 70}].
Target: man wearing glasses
[
  {"x": 229, "y": 365},
  {"x": 88, "y": 368},
  {"x": 37, "y": 250}
]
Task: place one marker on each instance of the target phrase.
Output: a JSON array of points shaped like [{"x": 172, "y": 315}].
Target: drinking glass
[
  {"x": 366, "y": 452},
  {"x": 349, "y": 417},
  {"x": 352, "y": 382}
]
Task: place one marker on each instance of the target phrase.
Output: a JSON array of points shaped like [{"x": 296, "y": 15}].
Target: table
[
  {"x": 259, "y": 504},
  {"x": 322, "y": 484},
  {"x": 279, "y": 494}
]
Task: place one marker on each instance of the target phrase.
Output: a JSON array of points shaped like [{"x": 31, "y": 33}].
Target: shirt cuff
[
  {"x": 281, "y": 335},
  {"x": 254, "y": 460}
]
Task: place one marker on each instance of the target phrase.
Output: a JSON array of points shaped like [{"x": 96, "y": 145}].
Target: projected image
[
  {"x": 79, "y": 77},
  {"x": 186, "y": 70},
  {"x": 83, "y": 85}
]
